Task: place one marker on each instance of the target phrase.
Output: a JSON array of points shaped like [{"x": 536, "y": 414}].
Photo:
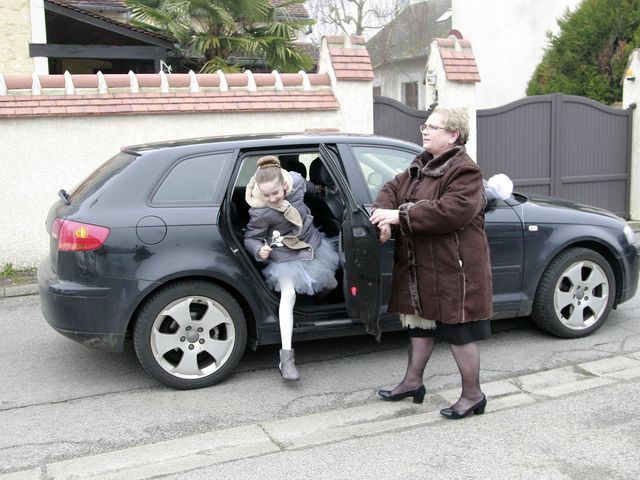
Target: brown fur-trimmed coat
[{"x": 441, "y": 261}]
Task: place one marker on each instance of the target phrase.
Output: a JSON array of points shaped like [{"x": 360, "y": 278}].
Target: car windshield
[{"x": 380, "y": 164}]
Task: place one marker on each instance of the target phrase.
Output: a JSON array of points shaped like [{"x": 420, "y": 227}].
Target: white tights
[{"x": 285, "y": 311}]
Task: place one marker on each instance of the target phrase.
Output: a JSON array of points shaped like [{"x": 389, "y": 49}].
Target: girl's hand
[
  {"x": 382, "y": 217},
  {"x": 385, "y": 234},
  {"x": 264, "y": 251}
]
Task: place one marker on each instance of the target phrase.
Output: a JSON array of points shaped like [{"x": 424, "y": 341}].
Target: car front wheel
[
  {"x": 575, "y": 294},
  {"x": 190, "y": 334}
]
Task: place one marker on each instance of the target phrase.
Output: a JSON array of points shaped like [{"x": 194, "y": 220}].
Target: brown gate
[
  {"x": 394, "y": 119},
  {"x": 560, "y": 145}
]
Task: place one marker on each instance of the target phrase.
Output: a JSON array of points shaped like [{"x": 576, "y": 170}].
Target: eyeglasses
[{"x": 430, "y": 128}]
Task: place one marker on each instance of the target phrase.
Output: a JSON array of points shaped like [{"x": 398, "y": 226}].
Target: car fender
[{"x": 556, "y": 240}]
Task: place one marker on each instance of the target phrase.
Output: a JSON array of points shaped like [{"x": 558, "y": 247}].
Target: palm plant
[{"x": 218, "y": 34}]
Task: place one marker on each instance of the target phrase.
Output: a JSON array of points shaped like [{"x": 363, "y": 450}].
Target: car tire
[
  {"x": 575, "y": 294},
  {"x": 190, "y": 334}
]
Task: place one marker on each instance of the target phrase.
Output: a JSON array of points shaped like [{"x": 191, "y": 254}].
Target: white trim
[{"x": 38, "y": 34}]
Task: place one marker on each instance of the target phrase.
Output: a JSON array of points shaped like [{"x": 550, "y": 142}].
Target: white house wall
[
  {"x": 508, "y": 38},
  {"x": 390, "y": 78},
  {"x": 631, "y": 95}
]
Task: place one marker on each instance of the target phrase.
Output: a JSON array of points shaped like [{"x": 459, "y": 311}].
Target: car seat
[{"x": 320, "y": 176}]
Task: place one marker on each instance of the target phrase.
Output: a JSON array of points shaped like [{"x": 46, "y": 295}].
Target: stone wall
[{"x": 15, "y": 36}]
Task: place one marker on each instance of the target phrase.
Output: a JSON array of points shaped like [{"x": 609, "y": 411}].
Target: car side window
[
  {"x": 380, "y": 164},
  {"x": 194, "y": 180},
  {"x": 297, "y": 162}
]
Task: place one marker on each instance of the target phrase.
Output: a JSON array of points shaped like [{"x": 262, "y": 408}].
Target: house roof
[
  {"x": 410, "y": 33},
  {"x": 297, "y": 10},
  {"x": 458, "y": 60},
  {"x": 121, "y": 5},
  {"x": 112, "y": 4},
  {"x": 65, "y": 7}
]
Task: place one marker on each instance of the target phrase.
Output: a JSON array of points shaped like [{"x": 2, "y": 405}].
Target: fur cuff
[{"x": 403, "y": 217}]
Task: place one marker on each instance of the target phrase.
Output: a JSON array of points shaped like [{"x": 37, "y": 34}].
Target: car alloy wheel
[
  {"x": 576, "y": 294},
  {"x": 191, "y": 334}
]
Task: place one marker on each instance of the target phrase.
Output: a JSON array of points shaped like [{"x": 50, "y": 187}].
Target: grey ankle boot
[{"x": 287, "y": 365}]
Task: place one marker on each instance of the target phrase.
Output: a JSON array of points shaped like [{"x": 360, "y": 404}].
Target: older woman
[{"x": 441, "y": 284}]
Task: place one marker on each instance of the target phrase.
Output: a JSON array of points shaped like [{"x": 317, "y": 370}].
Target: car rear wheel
[
  {"x": 575, "y": 295},
  {"x": 190, "y": 334}
]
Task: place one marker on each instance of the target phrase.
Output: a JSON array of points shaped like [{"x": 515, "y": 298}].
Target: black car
[{"x": 150, "y": 245}]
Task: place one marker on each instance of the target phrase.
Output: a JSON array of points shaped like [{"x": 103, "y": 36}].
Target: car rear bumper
[{"x": 91, "y": 315}]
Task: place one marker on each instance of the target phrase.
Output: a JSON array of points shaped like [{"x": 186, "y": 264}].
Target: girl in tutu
[{"x": 281, "y": 232}]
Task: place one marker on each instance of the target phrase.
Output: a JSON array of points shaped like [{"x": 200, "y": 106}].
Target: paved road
[{"x": 67, "y": 411}]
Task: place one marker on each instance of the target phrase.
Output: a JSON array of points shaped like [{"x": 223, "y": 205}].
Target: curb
[
  {"x": 19, "y": 290},
  {"x": 184, "y": 454}
]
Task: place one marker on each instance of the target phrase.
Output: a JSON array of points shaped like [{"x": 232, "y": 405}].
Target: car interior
[{"x": 322, "y": 198}]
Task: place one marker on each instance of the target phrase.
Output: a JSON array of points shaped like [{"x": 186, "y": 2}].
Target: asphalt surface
[{"x": 561, "y": 409}]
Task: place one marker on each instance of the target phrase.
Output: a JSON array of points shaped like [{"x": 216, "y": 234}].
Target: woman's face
[
  {"x": 273, "y": 192},
  {"x": 435, "y": 139}
]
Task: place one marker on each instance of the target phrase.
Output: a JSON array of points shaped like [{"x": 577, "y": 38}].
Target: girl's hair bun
[{"x": 268, "y": 161}]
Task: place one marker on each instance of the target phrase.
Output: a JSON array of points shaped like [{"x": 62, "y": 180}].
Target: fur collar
[{"x": 428, "y": 165}]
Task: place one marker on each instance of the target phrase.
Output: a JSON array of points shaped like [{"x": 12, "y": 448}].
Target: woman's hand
[
  {"x": 385, "y": 234},
  {"x": 264, "y": 252},
  {"x": 383, "y": 217}
]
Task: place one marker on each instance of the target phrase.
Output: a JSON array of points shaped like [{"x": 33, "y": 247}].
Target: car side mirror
[
  {"x": 491, "y": 196},
  {"x": 498, "y": 187}
]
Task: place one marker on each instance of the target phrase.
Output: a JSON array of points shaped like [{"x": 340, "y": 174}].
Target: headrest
[
  {"x": 319, "y": 174},
  {"x": 292, "y": 163}
]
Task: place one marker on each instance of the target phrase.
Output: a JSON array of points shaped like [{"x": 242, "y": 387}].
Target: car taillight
[{"x": 76, "y": 236}]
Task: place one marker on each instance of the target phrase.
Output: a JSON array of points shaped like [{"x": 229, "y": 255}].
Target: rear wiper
[{"x": 64, "y": 196}]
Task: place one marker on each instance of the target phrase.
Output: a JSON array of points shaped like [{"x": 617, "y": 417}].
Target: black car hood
[{"x": 542, "y": 209}]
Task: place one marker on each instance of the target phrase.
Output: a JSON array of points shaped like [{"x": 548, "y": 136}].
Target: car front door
[
  {"x": 506, "y": 244},
  {"x": 359, "y": 251}
]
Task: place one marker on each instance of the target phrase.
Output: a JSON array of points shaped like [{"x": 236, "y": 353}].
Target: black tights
[{"x": 467, "y": 358}]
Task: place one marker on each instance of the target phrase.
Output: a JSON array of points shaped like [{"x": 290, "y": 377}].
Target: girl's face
[{"x": 273, "y": 191}]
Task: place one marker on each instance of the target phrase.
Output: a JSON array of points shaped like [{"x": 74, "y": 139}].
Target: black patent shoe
[
  {"x": 478, "y": 409},
  {"x": 417, "y": 394}
]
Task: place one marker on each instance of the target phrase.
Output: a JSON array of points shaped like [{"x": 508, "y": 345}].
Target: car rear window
[{"x": 100, "y": 176}]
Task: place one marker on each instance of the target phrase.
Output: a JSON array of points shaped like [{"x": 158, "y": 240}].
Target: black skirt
[{"x": 456, "y": 333}]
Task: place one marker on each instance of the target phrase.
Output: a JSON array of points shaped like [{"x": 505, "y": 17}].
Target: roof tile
[
  {"x": 457, "y": 59},
  {"x": 346, "y": 61}
]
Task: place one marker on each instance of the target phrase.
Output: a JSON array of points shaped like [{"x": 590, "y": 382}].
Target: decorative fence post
[{"x": 451, "y": 79}]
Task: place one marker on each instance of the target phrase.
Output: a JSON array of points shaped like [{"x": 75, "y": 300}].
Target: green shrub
[{"x": 590, "y": 53}]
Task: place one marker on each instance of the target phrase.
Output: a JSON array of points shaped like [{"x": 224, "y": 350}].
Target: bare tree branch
[{"x": 360, "y": 17}]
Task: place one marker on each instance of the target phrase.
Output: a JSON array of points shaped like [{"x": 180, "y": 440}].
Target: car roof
[{"x": 268, "y": 140}]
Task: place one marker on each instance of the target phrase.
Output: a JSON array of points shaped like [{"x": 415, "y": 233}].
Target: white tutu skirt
[{"x": 309, "y": 276}]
